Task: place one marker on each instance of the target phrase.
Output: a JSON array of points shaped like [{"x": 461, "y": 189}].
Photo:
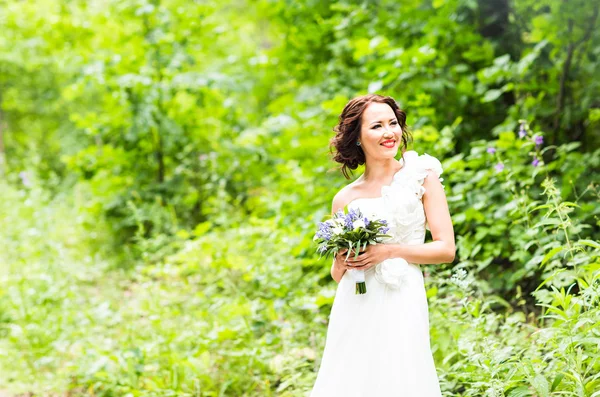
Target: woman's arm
[
  {"x": 442, "y": 249},
  {"x": 428, "y": 254},
  {"x": 337, "y": 272}
]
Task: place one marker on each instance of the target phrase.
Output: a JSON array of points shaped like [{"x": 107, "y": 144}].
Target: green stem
[{"x": 361, "y": 288}]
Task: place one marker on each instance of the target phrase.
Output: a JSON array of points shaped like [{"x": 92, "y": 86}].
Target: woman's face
[{"x": 380, "y": 131}]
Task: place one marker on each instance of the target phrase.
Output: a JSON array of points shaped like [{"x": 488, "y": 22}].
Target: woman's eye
[{"x": 393, "y": 123}]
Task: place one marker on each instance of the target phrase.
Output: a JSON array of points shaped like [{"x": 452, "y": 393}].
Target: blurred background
[{"x": 164, "y": 164}]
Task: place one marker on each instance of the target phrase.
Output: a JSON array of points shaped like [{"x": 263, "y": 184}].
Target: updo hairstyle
[{"x": 347, "y": 131}]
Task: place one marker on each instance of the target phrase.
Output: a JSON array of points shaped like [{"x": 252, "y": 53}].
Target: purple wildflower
[
  {"x": 535, "y": 162},
  {"x": 366, "y": 222},
  {"x": 349, "y": 219},
  {"x": 353, "y": 214},
  {"x": 491, "y": 150},
  {"x": 499, "y": 167},
  {"x": 538, "y": 139},
  {"x": 384, "y": 230},
  {"x": 324, "y": 231},
  {"x": 322, "y": 249},
  {"x": 522, "y": 131}
]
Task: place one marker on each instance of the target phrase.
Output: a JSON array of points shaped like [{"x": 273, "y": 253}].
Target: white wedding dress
[{"x": 377, "y": 343}]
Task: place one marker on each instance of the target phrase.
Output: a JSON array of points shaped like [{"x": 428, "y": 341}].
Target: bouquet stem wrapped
[{"x": 359, "y": 277}]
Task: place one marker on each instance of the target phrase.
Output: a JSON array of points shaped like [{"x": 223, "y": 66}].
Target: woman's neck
[{"x": 380, "y": 172}]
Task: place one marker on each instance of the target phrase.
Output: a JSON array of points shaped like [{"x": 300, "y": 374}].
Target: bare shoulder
[
  {"x": 341, "y": 199},
  {"x": 344, "y": 196}
]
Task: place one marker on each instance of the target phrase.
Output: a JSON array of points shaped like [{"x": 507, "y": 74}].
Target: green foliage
[
  {"x": 515, "y": 353},
  {"x": 497, "y": 214}
]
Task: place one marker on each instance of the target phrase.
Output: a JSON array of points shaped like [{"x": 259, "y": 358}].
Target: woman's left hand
[{"x": 371, "y": 256}]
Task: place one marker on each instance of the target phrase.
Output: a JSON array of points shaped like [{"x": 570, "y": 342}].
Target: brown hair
[{"x": 348, "y": 131}]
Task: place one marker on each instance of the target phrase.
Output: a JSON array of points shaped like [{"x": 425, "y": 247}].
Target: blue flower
[
  {"x": 324, "y": 231},
  {"x": 348, "y": 220},
  {"x": 522, "y": 129}
]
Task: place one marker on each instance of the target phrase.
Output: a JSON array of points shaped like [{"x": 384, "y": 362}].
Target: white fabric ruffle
[
  {"x": 424, "y": 163},
  {"x": 394, "y": 272},
  {"x": 406, "y": 211}
]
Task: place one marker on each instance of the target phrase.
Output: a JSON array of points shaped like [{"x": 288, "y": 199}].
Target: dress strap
[{"x": 426, "y": 162}]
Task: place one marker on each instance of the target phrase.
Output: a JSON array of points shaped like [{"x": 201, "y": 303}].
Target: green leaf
[
  {"x": 540, "y": 207},
  {"x": 550, "y": 254},
  {"x": 520, "y": 391},
  {"x": 548, "y": 221},
  {"x": 570, "y": 204},
  {"x": 557, "y": 271},
  {"x": 589, "y": 243},
  {"x": 557, "y": 379},
  {"x": 491, "y": 95},
  {"x": 540, "y": 383}
]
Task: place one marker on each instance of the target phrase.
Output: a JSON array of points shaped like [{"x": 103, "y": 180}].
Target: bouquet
[{"x": 350, "y": 229}]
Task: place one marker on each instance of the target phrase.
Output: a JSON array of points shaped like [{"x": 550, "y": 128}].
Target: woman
[{"x": 377, "y": 343}]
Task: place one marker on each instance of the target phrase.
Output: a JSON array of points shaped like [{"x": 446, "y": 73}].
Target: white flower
[
  {"x": 394, "y": 272},
  {"x": 337, "y": 230},
  {"x": 358, "y": 224},
  {"x": 461, "y": 279}
]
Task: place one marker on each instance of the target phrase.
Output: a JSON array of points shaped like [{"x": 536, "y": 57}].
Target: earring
[{"x": 357, "y": 143}]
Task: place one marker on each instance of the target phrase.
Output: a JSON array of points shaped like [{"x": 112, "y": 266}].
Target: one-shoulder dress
[{"x": 377, "y": 344}]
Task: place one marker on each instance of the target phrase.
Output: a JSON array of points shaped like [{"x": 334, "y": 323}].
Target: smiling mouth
[{"x": 388, "y": 144}]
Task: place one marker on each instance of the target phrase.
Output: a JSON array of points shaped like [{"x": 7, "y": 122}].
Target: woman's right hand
[{"x": 340, "y": 260}]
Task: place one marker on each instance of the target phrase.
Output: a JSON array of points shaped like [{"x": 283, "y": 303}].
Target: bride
[{"x": 377, "y": 343}]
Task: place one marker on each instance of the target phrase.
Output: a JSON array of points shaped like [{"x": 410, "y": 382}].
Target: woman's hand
[
  {"x": 371, "y": 256},
  {"x": 340, "y": 260}
]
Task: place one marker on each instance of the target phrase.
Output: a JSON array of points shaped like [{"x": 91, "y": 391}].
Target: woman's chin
[{"x": 390, "y": 151}]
